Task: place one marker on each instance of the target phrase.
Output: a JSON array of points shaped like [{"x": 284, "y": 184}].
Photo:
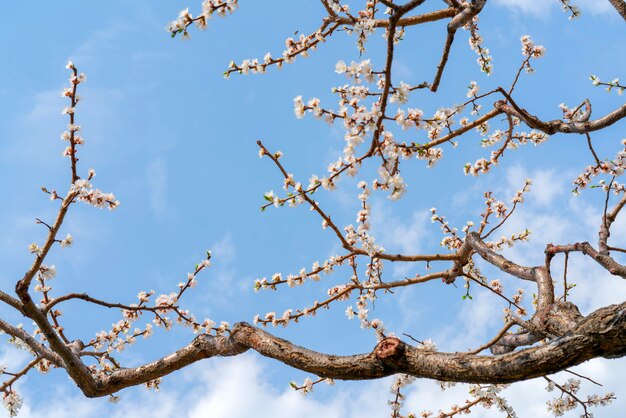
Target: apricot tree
[{"x": 538, "y": 337}]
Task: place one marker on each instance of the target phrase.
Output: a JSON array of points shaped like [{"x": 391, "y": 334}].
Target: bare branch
[{"x": 620, "y": 6}]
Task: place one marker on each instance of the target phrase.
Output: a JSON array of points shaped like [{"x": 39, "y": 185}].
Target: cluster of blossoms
[
  {"x": 577, "y": 114},
  {"x": 209, "y": 7},
  {"x": 362, "y": 313},
  {"x": 476, "y": 44},
  {"x": 34, "y": 249},
  {"x": 400, "y": 381},
  {"x": 412, "y": 118},
  {"x": 482, "y": 165},
  {"x": 517, "y": 300},
  {"x": 472, "y": 89},
  {"x": 613, "y": 84},
  {"x": 44, "y": 275},
  {"x": 122, "y": 332},
  {"x": 87, "y": 194},
  {"x": 530, "y": 50},
  {"x": 337, "y": 7},
  {"x": 518, "y": 296},
  {"x": 509, "y": 140},
  {"x": 400, "y": 93},
  {"x": 361, "y": 234},
  {"x": 294, "y": 280},
  {"x": 293, "y": 49},
  {"x": 364, "y": 25},
  {"x": 443, "y": 119},
  {"x": 80, "y": 187},
  {"x": 358, "y": 121},
  {"x": 392, "y": 182},
  {"x": 119, "y": 336},
  {"x": 500, "y": 210},
  {"x": 357, "y": 71},
  {"x": 519, "y": 195},
  {"x": 12, "y": 402},
  {"x": 451, "y": 239},
  {"x": 67, "y": 241},
  {"x": 573, "y": 10},
  {"x": 427, "y": 152},
  {"x": 335, "y": 293},
  {"x": 485, "y": 396},
  {"x": 496, "y": 286},
  {"x": 72, "y": 133},
  {"x": 508, "y": 241},
  {"x": 489, "y": 396},
  {"x": 512, "y": 141},
  {"x": 154, "y": 385},
  {"x": 568, "y": 400},
  {"x": 614, "y": 168}
]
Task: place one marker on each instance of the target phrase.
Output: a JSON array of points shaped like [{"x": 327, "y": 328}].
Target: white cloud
[{"x": 225, "y": 383}]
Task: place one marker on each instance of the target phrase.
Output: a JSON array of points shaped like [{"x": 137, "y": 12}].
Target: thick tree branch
[{"x": 601, "y": 334}]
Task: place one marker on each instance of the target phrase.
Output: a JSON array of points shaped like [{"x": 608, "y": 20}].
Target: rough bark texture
[{"x": 601, "y": 334}]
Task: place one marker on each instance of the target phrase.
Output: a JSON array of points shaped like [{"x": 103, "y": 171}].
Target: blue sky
[{"x": 176, "y": 144}]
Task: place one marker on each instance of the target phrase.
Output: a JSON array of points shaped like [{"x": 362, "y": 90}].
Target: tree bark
[{"x": 601, "y": 334}]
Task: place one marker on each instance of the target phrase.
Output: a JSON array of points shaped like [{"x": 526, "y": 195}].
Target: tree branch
[
  {"x": 458, "y": 21},
  {"x": 620, "y": 6},
  {"x": 605, "y": 261},
  {"x": 601, "y": 334},
  {"x": 557, "y": 125}
]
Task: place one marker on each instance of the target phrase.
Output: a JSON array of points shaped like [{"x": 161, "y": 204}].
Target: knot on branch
[
  {"x": 76, "y": 346},
  {"x": 454, "y": 273},
  {"x": 562, "y": 318},
  {"x": 221, "y": 345},
  {"x": 390, "y": 352},
  {"x": 388, "y": 348}
]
